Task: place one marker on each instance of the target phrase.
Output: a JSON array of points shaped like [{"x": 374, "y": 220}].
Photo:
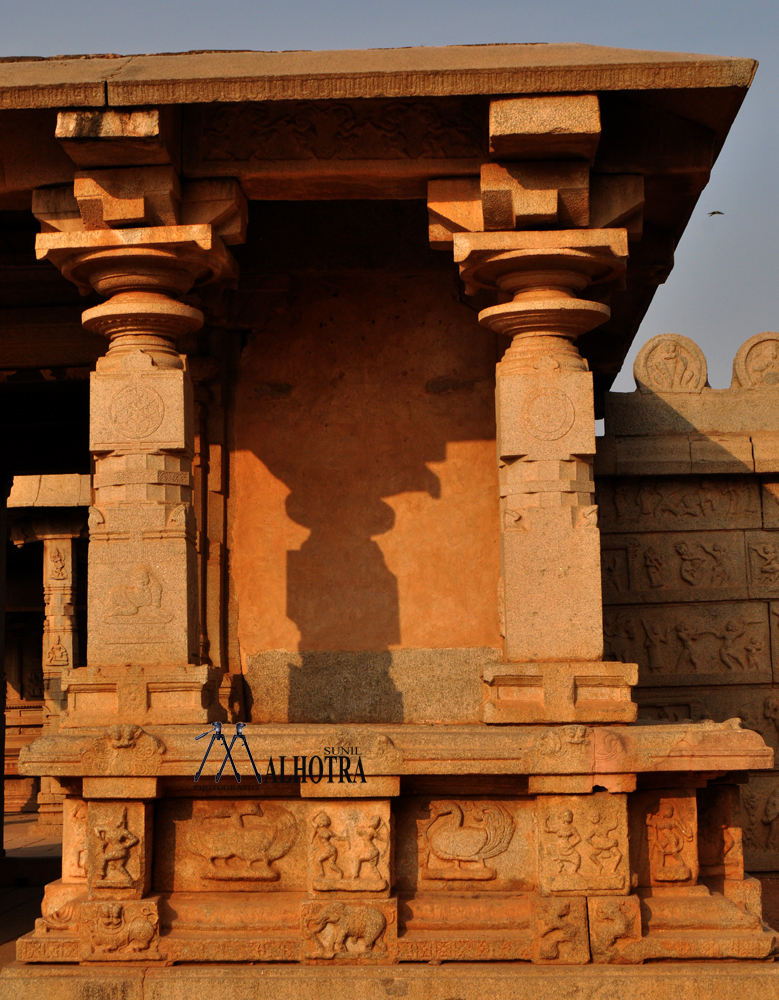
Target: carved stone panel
[
  {"x": 139, "y": 404},
  {"x": 760, "y": 816},
  {"x": 126, "y": 931},
  {"x": 74, "y": 841},
  {"x": 670, "y": 567},
  {"x": 251, "y": 845},
  {"x": 350, "y": 846},
  {"x": 615, "y": 930},
  {"x": 465, "y": 844},
  {"x": 123, "y": 750},
  {"x": 560, "y": 931},
  {"x": 670, "y": 363},
  {"x": 139, "y": 598},
  {"x": 726, "y": 643},
  {"x": 763, "y": 563},
  {"x": 756, "y": 364},
  {"x": 720, "y": 850},
  {"x": 663, "y": 837},
  {"x": 678, "y": 503},
  {"x": 583, "y": 844},
  {"x": 119, "y": 847},
  {"x": 339, "y": 932}
]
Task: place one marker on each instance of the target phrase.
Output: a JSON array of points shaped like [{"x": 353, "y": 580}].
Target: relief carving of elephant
[{"x": 351, "y": 925}]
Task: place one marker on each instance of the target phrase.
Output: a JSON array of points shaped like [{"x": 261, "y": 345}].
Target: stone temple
[{"x": 301, "y": 356}]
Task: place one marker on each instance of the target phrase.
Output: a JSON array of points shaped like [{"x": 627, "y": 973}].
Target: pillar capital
[{"x": 541, "y": 275}]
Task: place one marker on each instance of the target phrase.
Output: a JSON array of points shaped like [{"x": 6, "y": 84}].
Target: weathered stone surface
[
  {"x": 541, "y": 127},
  {"x": 502, "y": 980}
]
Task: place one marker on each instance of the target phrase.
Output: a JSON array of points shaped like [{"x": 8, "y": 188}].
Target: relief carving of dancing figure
[
  {"x": 691, "y": 565},
  {"x": 605, "y": 853},
  {"x": 729, "y": 653},
  {"x": 687, "y": 638},
  {"x": 667, "y": 837},
  {"x": 769, "y": 567},
  {"x": 326, "y": 856},
  {"x": 369, "y": 854},
  {"x": 567, "y": 859},
  {"x": 116, "y": 842}
]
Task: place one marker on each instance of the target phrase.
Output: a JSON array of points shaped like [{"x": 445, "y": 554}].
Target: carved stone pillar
[
  {"x": 143, "y": 658},
  {"x": 60, "y": 640},
  {"x": 550, "y": 546}
]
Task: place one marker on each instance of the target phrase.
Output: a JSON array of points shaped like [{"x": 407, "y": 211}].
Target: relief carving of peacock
[
  {"x": 243, "y": 844},
  {"x": 459, "y": 836}
]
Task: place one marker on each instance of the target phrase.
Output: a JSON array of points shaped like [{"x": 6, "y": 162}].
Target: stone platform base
[{"x": 498, "y": 981}]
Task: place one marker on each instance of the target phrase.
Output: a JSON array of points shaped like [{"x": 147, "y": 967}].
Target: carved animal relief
[
  {"x": 345, "y": 932},
  {"x": 241, "y": 841},
  {"x": 460, "y": 837},
  {"x": 127, "y": 931},
  {"x": 559, "y": 931}
]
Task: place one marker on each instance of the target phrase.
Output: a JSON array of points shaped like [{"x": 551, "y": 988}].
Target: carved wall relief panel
[
  {"x": 670, "y": 567},
  {"x": 119, "y": 846},
  {"x": 678, "y": 503},
  {"x": 692, "y": 644},
  {"x": 347, "y": 130},
  {"x": 760, "y": 817},
  {"x": 251, "y": 845},
  {"x": 720, "y": 850},
  {"x": 350, "y": 847},
  {"x": 123, "y": 750},
  {"x": 763, "y": 563},
  {"x": 467, "y": 844},
  {"x": 339, "y": 932},
  {"x": 663, "y": 837},
  {"x": 74, "y": 841},
  {"x": 560, "y": 931},
  {"x": 583, "y": 844},
  {"x": 670, "y": 363},
  {"x": 756, "y": 364},
  {"x": 127, "y": 931},
  {"x": 615, "y": 930}
]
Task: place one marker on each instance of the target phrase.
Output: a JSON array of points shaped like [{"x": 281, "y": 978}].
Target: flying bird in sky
[{"x": 716, "y": 213}]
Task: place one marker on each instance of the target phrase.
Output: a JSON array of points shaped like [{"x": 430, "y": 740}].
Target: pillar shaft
[{"x": 550, "y": 595}]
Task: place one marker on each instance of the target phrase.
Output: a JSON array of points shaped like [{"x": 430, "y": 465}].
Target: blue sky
[{"x": 725, "y": 286}]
